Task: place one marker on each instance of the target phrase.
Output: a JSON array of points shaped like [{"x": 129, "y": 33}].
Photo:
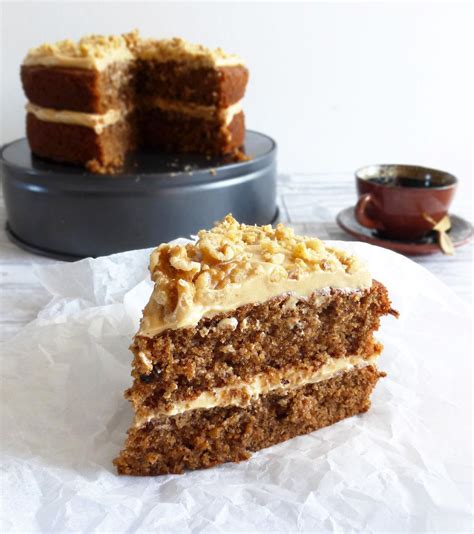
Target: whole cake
[
  {"x": 252, "y": 336},
  {"x": 93, "y": 101}
]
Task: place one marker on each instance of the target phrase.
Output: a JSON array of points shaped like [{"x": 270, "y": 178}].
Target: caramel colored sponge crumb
[{"x": 205, "y": 438}]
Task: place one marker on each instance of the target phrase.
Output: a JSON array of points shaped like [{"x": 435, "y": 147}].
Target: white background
[{"x": 338, "y": 85}]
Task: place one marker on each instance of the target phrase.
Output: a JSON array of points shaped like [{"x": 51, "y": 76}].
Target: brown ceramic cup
[{"x": 398, "y": 201}]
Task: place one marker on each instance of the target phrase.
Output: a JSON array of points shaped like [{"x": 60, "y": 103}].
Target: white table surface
[{"x": 308, "y": 202}]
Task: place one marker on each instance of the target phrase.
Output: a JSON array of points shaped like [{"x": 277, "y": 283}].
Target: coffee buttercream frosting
[{"x": 99, "y": 51}]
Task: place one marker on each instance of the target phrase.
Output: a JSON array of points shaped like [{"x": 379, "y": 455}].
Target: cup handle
[{"x": 361, "y": 215}]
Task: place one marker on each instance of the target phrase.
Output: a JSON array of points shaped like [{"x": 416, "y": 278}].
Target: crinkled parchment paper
[{"x": 404, "y": 466}]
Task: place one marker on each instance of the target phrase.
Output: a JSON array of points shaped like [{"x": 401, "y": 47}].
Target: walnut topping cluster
[
  {"x": 91, "y": 46},
  {"x": 177, "y": 49},
  {"x": 231, "y": 253},
  {"x": 131, "y": 45}
]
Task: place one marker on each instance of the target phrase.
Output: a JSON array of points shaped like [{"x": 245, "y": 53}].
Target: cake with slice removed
[
  {"x": 252, "y": 336},
  {"x": 93, "y": 101}
]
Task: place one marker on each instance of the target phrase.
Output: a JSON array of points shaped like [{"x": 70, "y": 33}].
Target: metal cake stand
[{"x": 65, "y": 212}]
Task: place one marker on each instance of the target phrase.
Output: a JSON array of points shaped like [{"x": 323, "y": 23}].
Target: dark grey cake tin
[{"x": 67, "y": 213}]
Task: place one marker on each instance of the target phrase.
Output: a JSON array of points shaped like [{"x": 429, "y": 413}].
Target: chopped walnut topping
[
  {"x": 97, "y": 46},
  {"x": 177, "y": 49},
  {"x": 132, "y": 46}
]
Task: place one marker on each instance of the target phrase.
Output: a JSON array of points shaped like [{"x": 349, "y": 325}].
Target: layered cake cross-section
[
  {"x": 252, "y": 335},
  {"x": 92, "y": 101}
]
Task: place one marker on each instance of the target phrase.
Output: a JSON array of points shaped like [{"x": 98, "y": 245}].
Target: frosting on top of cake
[
  {"x": 181, "y": 51},
  {"x": 90, "y": 52},
  {"x": 235, "y": 264},
  {"x": 98, "y": 52}
]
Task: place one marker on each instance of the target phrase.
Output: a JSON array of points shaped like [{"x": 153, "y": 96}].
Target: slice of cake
[
  {"x": 93, "y": 101},
  {"x": 252, "y": 336}
]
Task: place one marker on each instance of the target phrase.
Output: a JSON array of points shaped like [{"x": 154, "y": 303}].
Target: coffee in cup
[{"x": 401, "y": 201}]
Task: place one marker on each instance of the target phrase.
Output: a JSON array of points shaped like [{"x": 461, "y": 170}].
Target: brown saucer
[{"x": 461, "y": 233}]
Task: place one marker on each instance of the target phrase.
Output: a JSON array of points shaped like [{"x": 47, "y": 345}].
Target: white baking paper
[{"x": 404, "y": 466}]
